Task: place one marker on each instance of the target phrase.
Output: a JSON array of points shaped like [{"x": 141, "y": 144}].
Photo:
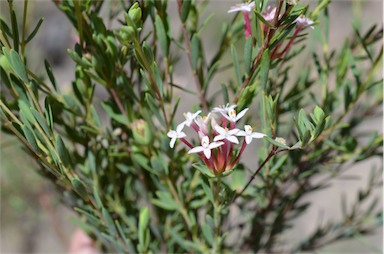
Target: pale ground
[{"x": 27, "y": 210}]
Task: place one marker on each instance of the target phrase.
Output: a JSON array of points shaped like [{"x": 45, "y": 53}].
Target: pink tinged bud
[
  {"x": 249, "y": 135},
  {"x": 206, "y": 147},
  {"x": 176, "y": 134}
]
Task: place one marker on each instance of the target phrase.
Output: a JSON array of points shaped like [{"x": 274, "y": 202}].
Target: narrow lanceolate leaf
[
  {"x": 109, "y": 221},
  {"x": 51, "y": 77},
  {"x": 264, "y": 68},
  {"x": 162, "y": 35},
  {"x": 165, "y": 201},
  {"x": 159, "y": 81},
  {"x": 62, "y": 151},
  {"x": 185, "y": 7},
  {"x": 41, "y": 121},
  {"x": 247, "y": 54},
  {"x": 195, "y": 50},
  {"x": 16, "y": 64},
  {"x": 143, "y": 227},
  {"x": 28, "y": 133},
  {"x": 236, "y": 65},
  {"x": 80, "y": 188},
  {"x": 35, "y": 30}
]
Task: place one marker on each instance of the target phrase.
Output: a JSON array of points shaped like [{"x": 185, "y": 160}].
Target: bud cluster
[{"x": 218, "y": 135}]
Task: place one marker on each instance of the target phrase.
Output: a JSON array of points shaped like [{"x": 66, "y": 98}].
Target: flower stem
[{"x": 270, "y": 155}]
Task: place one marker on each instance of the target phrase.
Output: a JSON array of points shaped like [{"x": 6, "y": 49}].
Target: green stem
[{"x": 217, "y": 216}]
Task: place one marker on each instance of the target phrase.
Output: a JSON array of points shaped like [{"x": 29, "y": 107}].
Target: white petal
[
  {"x": 233, "y": 131},
  {"x": 233, "y": 139},
  {"x": 241, "y": 133},
  {"x": 219, "y": 137},
  {"x": 234, "y": 9},
  {"x": 248, "y": 139},
  {"x": 207, "y": 153},
  {"x": 220, "y": 129},
  {"x": 181, "y": 135},
  {"x": 241, "y": 114},
  {"x": 171, "y": 133},
  {"x": 196, "y": 149},
  {"x": 257, "y": 135},
  {"x": 180, "y": 127},
  {"x": 172, "y": 143},
  {"x": 215, "y": 144}
]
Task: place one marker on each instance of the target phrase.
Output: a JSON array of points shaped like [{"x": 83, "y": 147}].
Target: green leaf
[
  {"x": 276, "y": 143},
  {"x": 16, "y": 64},
  {"x": 155, "y": 109},
  {"x": 48, "y": 113},
  {"x": 208, "y": 233},
  {"x": 262, "y": 19},
  {"x": 62, "y": 151},
  {"x": 162, "y": 35},
  {"x": 91, "y": 161},
  {"x": 51, "y": 77},
  {"x": 96, "y": 195},
  {"x": 207, "y": 190},
  {"x": 41, "y": 121},
  {"x": 195, "y": 50},
  {"x": 165, "y": 201},
  {"x": 278, "y": 164},
  {"x": 143, "y": 162},
  {"x": 80, "y": 188},
  {"x": 159, "y": 164},
  {"x": 115, "y": 116},
  {"x": 147, "y": 53},
  {"x": 159, "y": 81},
  {"x": 143, "y": 226},
  {"x": 204, "y": 170},
  {"x": 35, "y": 30},
  {"x": 28, "y": 133},
  {"x": 26, "y": 111},
  {"x": 109, "y": 221},
  {"x": 182, "y": 241},
  {"x": 236, "y": 65},
  {"x": 264, "y": 68},
  {"x": 248, "y": 54},
  {"x": 185, "y": 7}
]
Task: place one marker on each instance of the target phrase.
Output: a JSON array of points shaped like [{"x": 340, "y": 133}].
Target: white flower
[
  {"x": 202, "y": 121},
  {"x": 223, "y": 109},
  {"x": 269, "y": 13},
  {"x": 176, "y": 134},
  {"x": 244, "y": 7},
  {"x": 302, "y": 20},
  {"x": 249, "y": 135},
  {"x": 205, "y": 147},
  {"x": 189, "y": 117},
  {"x": 233, "y": 117},
  {"x": 226, "y": 134}
]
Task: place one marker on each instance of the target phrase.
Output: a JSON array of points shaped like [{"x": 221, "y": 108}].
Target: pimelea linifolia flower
[
  {"x": 218, "y": 135},
  {"x": 245, "y": 8}
]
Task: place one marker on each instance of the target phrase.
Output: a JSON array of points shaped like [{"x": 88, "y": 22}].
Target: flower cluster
[{"x": 218, "y": 134}]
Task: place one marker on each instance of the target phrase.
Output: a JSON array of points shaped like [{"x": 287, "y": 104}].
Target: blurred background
[{"x": 32, "y": 218}]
